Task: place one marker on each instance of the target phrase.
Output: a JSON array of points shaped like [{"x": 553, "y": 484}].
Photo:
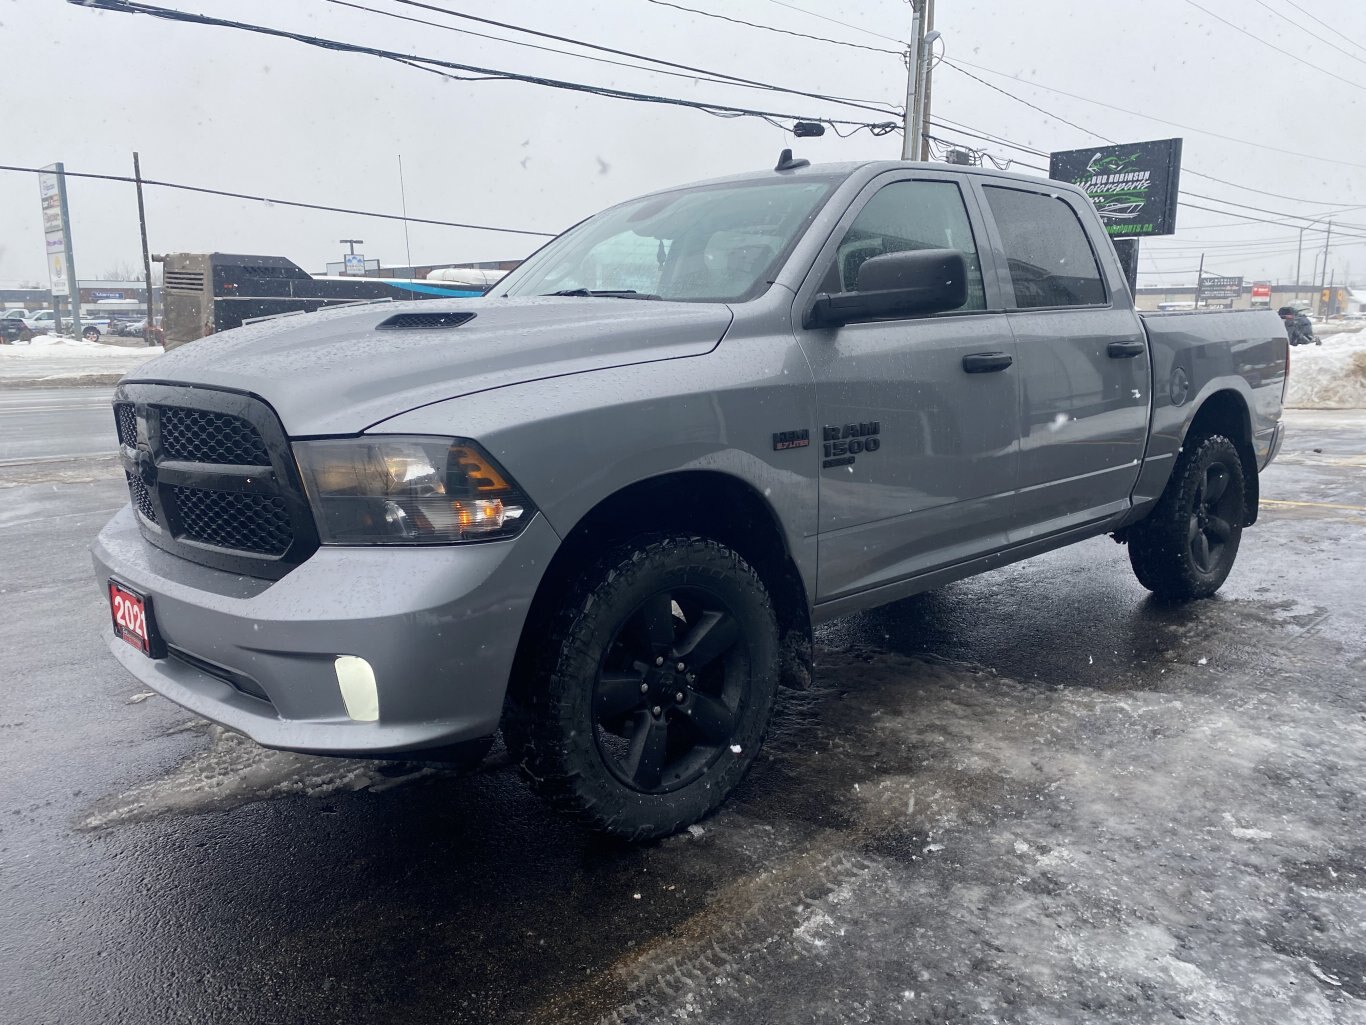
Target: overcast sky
[{"x": 230, "y": 110}]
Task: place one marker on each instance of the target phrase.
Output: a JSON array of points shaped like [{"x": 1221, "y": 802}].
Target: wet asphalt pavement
[{"x": 1035, "y": 796}]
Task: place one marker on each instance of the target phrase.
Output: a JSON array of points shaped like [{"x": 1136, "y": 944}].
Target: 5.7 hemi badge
[
  {"x": 845, "y": 441},
  {"x": 783, "y": 440}
]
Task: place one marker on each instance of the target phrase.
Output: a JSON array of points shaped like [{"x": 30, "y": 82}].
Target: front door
[{"x": 918, "y": 447}]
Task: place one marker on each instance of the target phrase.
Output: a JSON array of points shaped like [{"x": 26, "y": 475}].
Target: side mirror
[{"x": 917, "y": 281}]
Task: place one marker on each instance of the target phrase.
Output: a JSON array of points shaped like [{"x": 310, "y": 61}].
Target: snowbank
[
  {"x": 1331, "y": 375},
  {"x": 47, "y": 361}
]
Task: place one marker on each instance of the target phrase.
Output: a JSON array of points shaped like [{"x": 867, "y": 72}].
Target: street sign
[
  {"x": 1133, "y": 186},
  {"x": 1261, "y": 293},
  {"x": 57, "y": 229},
  {"x": 1222, "y": 288},
  {"x": 354, "y": 263}
]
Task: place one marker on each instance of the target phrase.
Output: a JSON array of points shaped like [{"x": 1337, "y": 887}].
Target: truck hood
[{"x": 338, "y": 372}]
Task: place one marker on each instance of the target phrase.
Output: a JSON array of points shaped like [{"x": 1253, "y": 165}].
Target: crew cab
[{"x": 602, "y": 508}]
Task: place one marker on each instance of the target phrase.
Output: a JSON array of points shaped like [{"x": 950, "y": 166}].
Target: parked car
[
  {"x": 42, "y": 322},
  {"x": 602, "y": 508},
  {"x": 13, "y": 329},
  {"x": 16, "y": 314}
]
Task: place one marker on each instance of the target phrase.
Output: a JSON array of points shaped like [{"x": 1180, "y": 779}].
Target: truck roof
[{"x": 848, "y": 169}]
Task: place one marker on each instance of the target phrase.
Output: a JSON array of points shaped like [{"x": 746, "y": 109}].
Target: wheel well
[
  {"x": 707, "y": 503},
  {"x": 1225, "y": 412}
]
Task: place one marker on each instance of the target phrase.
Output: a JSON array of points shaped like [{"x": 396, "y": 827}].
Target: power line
[
  {"x": 1312, "y": 35},
  {"x": 1273, "y": 46},
  {"x": 1330, "y": 28},
  {"x": 271, "y": 201},
  {"x": 834, "y": 21},
  {"x": 862, "y": 105},
  {"x": 772, "y": 28},
  {"x": 530, "y": 46},
  {"x": 716, "y": 109},
  {"x": 1104, "y": 138},
  {"x": 1162, "y": 121}
]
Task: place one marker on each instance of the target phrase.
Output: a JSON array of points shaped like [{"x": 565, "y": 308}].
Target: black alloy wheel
[
  {"x": 1212, "y": 517},
  {"x": 1186, "y": 546},
  {"x": 642, "y": 697},
  {"x": 669, "y": 690}
]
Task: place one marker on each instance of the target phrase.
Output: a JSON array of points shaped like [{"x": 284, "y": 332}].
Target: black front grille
[
  {"x": 141, "y": 498},
  {"x": 126, "y": 416},
  {"x": 229, "y": 519},
  {"x": 212, "y": 478},
  {"x": 199, "y": 436}
]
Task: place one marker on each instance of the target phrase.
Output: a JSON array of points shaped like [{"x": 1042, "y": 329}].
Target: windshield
[{"x": 720, "y": 243}]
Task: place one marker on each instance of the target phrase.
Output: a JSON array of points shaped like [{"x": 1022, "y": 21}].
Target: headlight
[{"x": 396, "y": 490}]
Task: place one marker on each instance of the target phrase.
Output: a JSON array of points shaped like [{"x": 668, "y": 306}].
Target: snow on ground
[
  {"x": 1331, "y": 375},
  {"x": 49, "y": 360}
]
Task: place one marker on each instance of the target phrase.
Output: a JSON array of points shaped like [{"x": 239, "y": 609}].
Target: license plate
[{"x": 132, "y": 616}]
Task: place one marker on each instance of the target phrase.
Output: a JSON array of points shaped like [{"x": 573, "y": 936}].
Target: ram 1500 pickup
[{"x": 602, "y": 508}]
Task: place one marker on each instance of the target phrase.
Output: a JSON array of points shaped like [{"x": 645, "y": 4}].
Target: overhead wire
[
  {"x": 1105, "y": 138},
  {"x": 273, "y": 201},
  {"x": 1313, "y": 35},
  {"x": 735, "y": 79},
  {"x": 774, "y": 28},
  {"x": 1293, "y": 56},
  {"x": 708, "y": 107},
  {"x": 1162, "y": 121},
  {"x": 834, "y": 21}
]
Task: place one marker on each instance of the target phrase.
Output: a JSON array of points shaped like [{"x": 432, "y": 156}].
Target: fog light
[{"x": 359, "y": 693}]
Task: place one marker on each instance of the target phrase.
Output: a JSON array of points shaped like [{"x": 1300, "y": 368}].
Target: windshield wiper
[{"x": 609, "y": 293}]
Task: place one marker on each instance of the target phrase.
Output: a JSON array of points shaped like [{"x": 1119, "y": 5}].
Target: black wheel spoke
[
  {"x": 714, "y": 634},
  {"x": 1219, "y": 529},
  {"x": 616, "y": 694},
  {"x": 655, "y": 623},
  {"x": 1201, "y": 552},
  {"x": 714, "y": 721},
  {"x": 1216, "y": 482},
  {"x": 644, "y": 764}
]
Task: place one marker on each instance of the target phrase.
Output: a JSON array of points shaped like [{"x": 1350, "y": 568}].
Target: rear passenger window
[
  {"x": 904, "y": 216},
  {"x": 1050, "y": 259}
]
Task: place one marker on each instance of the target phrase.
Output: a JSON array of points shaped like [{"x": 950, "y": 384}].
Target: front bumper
[{"x": 438, "y": 625}]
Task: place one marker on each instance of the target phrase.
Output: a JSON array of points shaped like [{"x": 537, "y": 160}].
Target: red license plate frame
[{"x": 131, "y": 612}]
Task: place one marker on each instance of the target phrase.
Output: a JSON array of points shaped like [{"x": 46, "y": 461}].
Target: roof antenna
[{"x": 787, "y": 163}]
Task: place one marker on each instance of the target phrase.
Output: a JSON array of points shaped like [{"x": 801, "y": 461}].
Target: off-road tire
[
  {"x": 1165, "y": 549},
  {"x": 552, "y": 726}
]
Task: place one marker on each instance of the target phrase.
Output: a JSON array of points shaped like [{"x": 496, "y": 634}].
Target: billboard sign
[
  {"x": 353, "y": 263},
  {"x": 1133, "y": 186},
  {"x": 57, "y": 229},
  {"x": 1221, "y": 288},
  {"x": 1261, "y": 293}
]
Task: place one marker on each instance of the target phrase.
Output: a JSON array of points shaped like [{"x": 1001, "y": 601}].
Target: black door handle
[
  {"x": 1125, "y": 350},
  {"x": 987, "y": 362}
]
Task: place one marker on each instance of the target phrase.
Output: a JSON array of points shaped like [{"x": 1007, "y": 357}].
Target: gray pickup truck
[{"x": 602, "y": 508}]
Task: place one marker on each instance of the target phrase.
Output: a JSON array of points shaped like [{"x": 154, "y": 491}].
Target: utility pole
[
  {"x": 147, "y": 334},
  {"x": 1199, "y": 280},
  {"x": 1323, "y": 277},
  {"x": 927, "y": 73},
  {"x": 1299, "y": 259},
  {"x": 911, "y": 140}
]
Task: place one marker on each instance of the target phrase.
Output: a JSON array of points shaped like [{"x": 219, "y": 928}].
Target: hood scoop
[{"x": 425, "y": 321}]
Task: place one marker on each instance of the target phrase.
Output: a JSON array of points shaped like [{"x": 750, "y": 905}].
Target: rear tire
[
  {"x": 608, "y": 727},
  {"x": 1187, "y": 545}
]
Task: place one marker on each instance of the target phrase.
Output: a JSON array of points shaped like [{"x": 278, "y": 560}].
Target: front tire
[
  {"x": 91, "y": 334},
  {"x": 1187, "y": 545},
  {"x": 654, "y": 688}
]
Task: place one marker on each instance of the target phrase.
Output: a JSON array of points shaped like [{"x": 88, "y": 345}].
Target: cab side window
[
  {"x": 904, "y": 216},
  {"x": 1050, "y": 259}
]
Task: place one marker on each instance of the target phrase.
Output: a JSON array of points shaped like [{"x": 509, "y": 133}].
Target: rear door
[
  {"x": 1083, "y": 369},
  {"x": 917, "y": 453}
]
